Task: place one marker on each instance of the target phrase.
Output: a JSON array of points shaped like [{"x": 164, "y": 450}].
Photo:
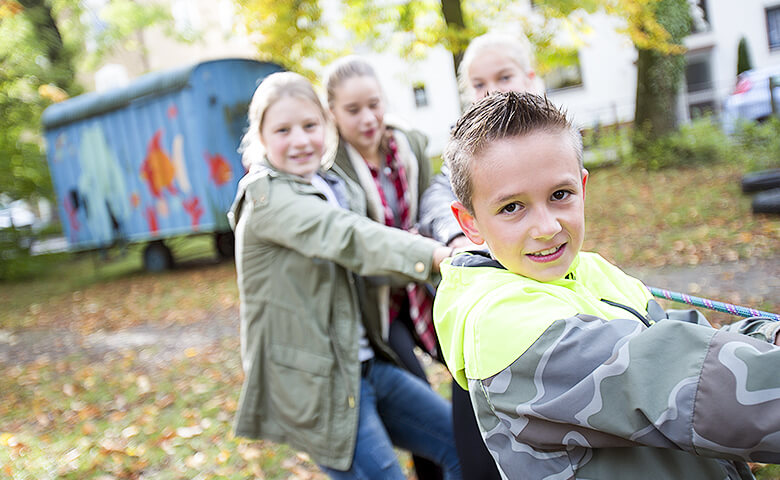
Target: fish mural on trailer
[
  {"x": 219, "y": 169},
  {"x": 194, "y": 209},
  {"x": 177, "y": 155},
  {"x": 157, "y": 169},
  {"x": 101, "y": 191}
]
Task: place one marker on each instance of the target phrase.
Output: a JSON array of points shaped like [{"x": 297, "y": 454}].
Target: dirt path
[
  {"x": 753, "y": 283},
  {"x": 161, "y": 343}
]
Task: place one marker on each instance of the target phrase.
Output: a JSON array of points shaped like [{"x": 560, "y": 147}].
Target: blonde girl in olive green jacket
[{"x": 307, "y": 348}]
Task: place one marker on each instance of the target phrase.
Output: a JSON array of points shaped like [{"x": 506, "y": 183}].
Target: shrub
[
  {"x": 16, "y": 263},
  {"x": 700, "y": 142},
  {"x": 758, "y": 144},
  {"x": 606, "y": 145}
]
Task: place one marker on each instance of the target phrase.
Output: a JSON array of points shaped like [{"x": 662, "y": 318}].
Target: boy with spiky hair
[{"x": 573, "y": 370}]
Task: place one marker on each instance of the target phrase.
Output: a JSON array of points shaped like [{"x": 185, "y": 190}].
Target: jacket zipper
[{"x": 628, "y": 309}]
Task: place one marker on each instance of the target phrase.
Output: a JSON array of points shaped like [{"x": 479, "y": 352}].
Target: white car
[
  {"x": 17, "y": 214},
  {"x": 751, "y": 100}
]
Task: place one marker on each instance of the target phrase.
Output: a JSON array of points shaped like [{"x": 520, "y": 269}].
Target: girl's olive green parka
[{"x": 300, "y": 308}]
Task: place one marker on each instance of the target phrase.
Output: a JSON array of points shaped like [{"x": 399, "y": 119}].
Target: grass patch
[{"x": 109, "y": 290}]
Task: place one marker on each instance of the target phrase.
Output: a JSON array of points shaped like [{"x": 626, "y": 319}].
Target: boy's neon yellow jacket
[{"x": 567, "y": 381}]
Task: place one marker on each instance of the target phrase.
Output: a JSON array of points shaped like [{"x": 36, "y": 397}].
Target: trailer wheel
[
  {"x": 763, "y": 180},
  {"x": 767, "y": 202},
  {"x": 157, "y": 257},
  {"x": 225, "y": 244}
]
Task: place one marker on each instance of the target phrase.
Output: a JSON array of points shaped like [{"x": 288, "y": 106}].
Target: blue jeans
[{"x": 397, "y": 408}]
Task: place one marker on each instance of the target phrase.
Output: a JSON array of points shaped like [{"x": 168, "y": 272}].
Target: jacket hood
[
  {"x": 487, "y": 316},
  {"x": 466, "y": 280}
]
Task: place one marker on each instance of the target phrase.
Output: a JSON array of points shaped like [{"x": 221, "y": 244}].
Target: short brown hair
[{"x": 495, "y": 117}]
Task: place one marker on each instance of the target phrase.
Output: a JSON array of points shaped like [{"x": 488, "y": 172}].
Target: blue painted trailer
[{"x": 154, "y": 159}]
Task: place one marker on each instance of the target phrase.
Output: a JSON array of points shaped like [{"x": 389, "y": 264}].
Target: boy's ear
[
  {"x": 584, "y": 181},
  {"x": 467, "y": 222}
]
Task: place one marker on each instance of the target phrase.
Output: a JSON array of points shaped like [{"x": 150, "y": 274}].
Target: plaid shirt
[{"x": 420, "y": 300}]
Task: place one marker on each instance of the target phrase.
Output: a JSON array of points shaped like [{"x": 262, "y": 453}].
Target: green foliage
[
  {"x": 123, "y": 20},
  {"x": 767, "y": 472},
  {"x": 758, "y": 144},
  {"x": 288, "y": 32},
  {"x": 744, "y": 62},
  {"x": 294, "y": 34},
  {"x": 606, "y": 146},
  {"x": 37, "y": 59},
  {"x": 16, "y": 263},
  {"x": 754, "y": 146},
  {"x": 42, "y": 45},
  {"x": 701, "y": 142}
]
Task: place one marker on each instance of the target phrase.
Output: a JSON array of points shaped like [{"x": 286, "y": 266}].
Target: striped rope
[{"x": 711, "y": 304}]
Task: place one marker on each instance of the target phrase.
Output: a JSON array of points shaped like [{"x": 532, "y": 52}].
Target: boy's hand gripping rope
[{"x": 711, "y": 304}]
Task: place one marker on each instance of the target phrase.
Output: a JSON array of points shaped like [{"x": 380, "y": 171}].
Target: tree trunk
[
  {"x": 659, "y": 75},
  {"x": 40, "y": 15},
  {"x": 453, "y": 17}
]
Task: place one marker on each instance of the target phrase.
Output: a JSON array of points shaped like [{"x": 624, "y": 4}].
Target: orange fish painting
[
  {"x": 135, "y": 200},
  {"x": 157, "y": 169},
  {"x": 219, "y": 170}
]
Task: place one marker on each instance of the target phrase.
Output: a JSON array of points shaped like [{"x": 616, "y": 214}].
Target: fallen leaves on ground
[
  {"x": 675, "y": 217},
  {"x": 125, "y": 416},
  {"x": 125, "y": 419}
]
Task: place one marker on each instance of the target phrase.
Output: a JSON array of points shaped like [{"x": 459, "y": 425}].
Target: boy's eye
[
  {"x": 506, "y": 78},
  {"x": 282, "y": 130},
  {"x": 310, "y": 125},
  {"x": 512, "y": 208},
  {"x": 560, "y": 195}
]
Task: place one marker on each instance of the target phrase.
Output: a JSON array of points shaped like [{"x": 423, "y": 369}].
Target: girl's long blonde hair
[{"x": 273, "y": 88}]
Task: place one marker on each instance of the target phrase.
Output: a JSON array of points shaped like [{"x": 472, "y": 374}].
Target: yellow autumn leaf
[
  {"x": 8, "y": 440},
  {"x": 223, "y": 456}
]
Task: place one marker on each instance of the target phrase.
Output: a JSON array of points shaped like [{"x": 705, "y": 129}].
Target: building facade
[
  {"x": 599, "y": 90},
  {"x": 607, "y": 91}
]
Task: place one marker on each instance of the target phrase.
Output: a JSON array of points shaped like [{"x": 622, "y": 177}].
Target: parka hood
[{"x": 480, "y": 303}]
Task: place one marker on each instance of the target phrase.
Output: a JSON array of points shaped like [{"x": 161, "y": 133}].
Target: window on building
[
  {"x": 565, "y": 74},
  {"x": 700, "y": 19},
  {"x": 700, "y": 95},
  {"x": 698, "y": 73},
  {"x": 420, "y": 95},
  {"x": 773, "y": 27}
]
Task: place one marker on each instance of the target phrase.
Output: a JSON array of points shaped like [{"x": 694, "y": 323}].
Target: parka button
[{"x": 419, "y": 267}]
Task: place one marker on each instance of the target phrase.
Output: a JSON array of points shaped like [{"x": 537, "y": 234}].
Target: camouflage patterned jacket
[{"x": 567, "y": 385}]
